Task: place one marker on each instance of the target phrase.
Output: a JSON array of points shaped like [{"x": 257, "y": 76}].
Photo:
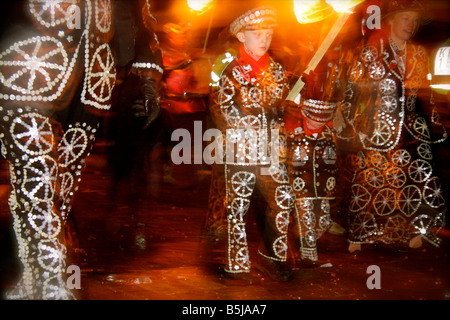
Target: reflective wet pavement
[{"x": 143, "y": 239}]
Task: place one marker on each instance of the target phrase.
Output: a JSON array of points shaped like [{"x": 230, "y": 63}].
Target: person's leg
[
  {"x": 273, "y": 249},
  {"x": 240, "y": 183},
  {"x": 29, "y": 142}
]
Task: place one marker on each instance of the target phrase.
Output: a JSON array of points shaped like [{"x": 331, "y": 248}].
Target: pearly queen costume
[
  {"x": 57, "y": 73},
  {"x": 246, "y": 108},
  {"x": 394, "y": 192}
]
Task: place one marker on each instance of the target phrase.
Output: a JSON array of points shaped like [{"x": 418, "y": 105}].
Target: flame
[
  {"x": 310, "y": 11},
  {"x": 199, "y": 5},
  {"x": 343, "y": 5}
]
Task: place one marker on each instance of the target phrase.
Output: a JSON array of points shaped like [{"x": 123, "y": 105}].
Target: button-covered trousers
[
  {"x": 45, "y": 162},
  {"x": 272, "y": 184}
]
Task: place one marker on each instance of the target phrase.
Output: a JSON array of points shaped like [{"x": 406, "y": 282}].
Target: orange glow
[
  {"x": 199, "y": 5},
  {"x": 343, "y": 5},
  {"x": 310, "y": 11}
]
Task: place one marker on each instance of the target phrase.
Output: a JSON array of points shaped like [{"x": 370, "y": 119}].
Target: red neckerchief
[{"x": 257, "y": 65}]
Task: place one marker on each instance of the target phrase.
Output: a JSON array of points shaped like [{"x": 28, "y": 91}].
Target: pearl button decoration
[{"x": 262, "y": 17}]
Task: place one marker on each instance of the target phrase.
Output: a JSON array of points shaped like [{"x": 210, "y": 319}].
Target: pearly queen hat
[
  {"x": 258, "y": 18},
  {"x": 321, "y": 111},
  {"x": 404, "y": 5},
  {"x": 393, "y": 6}
]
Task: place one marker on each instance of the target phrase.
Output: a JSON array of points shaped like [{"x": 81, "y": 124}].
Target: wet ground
[{"x": 142, "y": 238}]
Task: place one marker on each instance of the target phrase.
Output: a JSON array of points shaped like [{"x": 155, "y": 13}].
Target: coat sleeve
[
  {"x": 223, "y": 102},
  {"x": 135, "y": 41},
  {"x": 358, "y": 106}
]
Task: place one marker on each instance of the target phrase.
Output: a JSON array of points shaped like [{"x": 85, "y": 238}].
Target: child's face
[{"x": 257, "y": 41}]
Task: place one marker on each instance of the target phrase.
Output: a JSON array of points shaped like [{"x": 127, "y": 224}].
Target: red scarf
[
  {"x": 257, "y": 65},
  {"x": 310, "y": 132},
  {"x": 292, "y": 121}
]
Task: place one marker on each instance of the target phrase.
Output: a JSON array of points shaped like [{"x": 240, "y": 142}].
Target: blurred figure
[
  {"x": 246, "y": 107},
  {"x": 312, "y": 157},
  {"x": 57, "y": 75},
  {"x": 133, "y": 122},
  {"x": 396, "y": 199},
  {"x": 184, "y": 105},
  {"x": 216, "y": 222}
]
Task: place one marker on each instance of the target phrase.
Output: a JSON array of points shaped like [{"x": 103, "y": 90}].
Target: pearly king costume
[
  {"x": 246, "y": 107},
  {"x": 395, "y": 194},
  {"x": 312, "y": 157},
  {"x": 57, "y": 73},
  {"x": 312, "y": 166}
]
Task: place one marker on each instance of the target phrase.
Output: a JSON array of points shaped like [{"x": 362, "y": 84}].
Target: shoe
[
  {"x": 336, "y": 229},
  {"x": 239, "y": 279},
  {"x": 354, "y": 248},
  {"x": 310, "y": 264},
  {"x": 416, "y": 242},
  {"x": 219, "y": 231},
  {"x": 276, "y": 270}
]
